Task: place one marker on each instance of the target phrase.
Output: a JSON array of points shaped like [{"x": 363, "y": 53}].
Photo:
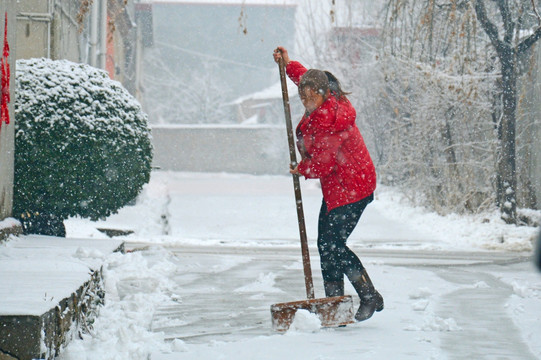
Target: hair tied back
[{"x": 334, "y": 85}]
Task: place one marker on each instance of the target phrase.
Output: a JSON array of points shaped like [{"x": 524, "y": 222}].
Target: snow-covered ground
[{"x": 214, "y": 251}]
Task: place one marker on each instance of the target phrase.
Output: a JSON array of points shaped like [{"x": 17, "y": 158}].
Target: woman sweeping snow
[{"x": 333, "y": 151}]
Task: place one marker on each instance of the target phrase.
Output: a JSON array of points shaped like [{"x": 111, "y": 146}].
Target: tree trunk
[
  {"x": 450, "y": 154},
  {"x": 507, "y": 156}
]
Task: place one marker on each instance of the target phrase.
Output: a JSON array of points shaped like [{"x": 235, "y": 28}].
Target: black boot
[
  {"x": 371, "y": 299},
  {"x": 333, "y": 288}
]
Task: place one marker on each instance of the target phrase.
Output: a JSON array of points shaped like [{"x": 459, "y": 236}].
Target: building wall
[
  {"x": 7, "y": 130},
  {"x": 33, "y": 20},
  {"x": 232, "y": 149},
  {"x": 122, "y": 42},
  {"x": 65, "y": 42},
  {"x": 104, "y": 37},
  {"x": 48, "y": 29}
]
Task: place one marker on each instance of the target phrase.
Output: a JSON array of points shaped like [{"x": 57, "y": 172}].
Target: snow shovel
[{"x": 332, "y": 311}]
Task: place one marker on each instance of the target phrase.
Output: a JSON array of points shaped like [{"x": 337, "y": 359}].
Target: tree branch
[
  {"x": 527, "y": 43},
  {"x": 490, "y": 29},
  {"x": 536, "y": 13},
  {"x": 508, "y": 24}
]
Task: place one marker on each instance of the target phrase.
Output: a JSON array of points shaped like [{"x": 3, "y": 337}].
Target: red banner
[{"x": 4, "y": 66}]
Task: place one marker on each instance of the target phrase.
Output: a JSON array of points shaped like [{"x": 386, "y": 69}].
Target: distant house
[
  {"x": 206, "y": 54},
  {"x": 267, "y": 107},
  {"x": 355, "y": 45}
]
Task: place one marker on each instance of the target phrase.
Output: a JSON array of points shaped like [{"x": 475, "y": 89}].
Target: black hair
[
  {"x": 335, "y": 86},
  {"x": 322, "y": 81}
]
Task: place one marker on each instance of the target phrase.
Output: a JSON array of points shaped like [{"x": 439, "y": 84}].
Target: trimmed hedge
[{"x": 82, "y": 142}]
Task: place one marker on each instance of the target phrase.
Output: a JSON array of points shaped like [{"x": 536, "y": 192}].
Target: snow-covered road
[
  {"x": 216, "y": 250},
  {"x": 451, "y": 306}
]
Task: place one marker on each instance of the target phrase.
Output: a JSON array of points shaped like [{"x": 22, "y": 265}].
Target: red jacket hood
[{"x": 333, "y": 115}]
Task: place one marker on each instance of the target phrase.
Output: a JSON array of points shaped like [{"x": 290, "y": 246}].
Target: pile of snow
[
  {"x": 135, "y": 285},
  {"x": 305, "y": 322},
  {"x": 484, "y": 231}
]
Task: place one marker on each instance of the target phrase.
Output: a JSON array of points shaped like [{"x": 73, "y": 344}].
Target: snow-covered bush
[{"x": 82, "y": 143}]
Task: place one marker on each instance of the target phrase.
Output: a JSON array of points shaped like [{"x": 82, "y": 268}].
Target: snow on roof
[{"x": 272, "y": 92}]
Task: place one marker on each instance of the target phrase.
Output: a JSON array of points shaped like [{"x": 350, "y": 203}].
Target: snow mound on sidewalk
[{"x": 486, "y": 230}]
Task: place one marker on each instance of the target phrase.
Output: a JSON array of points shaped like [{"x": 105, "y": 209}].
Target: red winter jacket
[{"x": 333, "y": 149}]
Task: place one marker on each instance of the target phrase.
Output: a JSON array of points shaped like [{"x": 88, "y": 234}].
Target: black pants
[{"x": 333, "y": 231}]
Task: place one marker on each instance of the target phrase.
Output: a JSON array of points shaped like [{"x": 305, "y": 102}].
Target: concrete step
[{"x": 50, "y": 289}]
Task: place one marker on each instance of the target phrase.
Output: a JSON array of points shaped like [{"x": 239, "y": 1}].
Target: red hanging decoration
[{"x": 4, "y": 66}]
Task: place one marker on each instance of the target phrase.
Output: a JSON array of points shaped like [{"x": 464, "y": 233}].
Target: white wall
[{"x": 233, "y": 149}]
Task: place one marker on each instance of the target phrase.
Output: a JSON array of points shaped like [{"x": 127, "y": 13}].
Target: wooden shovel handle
[{"x": 296, "y": 186}]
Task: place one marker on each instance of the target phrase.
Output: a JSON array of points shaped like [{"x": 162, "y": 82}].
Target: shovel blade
[{"x": 332, "y": 311}]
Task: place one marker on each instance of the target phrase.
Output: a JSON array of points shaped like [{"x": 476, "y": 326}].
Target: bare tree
[
  {"x": 452, "y": 66},
  {"x": 438, "y": 77},
  {"x": 510, "y": 46}
]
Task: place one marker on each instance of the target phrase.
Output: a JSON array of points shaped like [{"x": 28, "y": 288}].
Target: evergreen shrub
[{"x": 82, "y": 143}]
